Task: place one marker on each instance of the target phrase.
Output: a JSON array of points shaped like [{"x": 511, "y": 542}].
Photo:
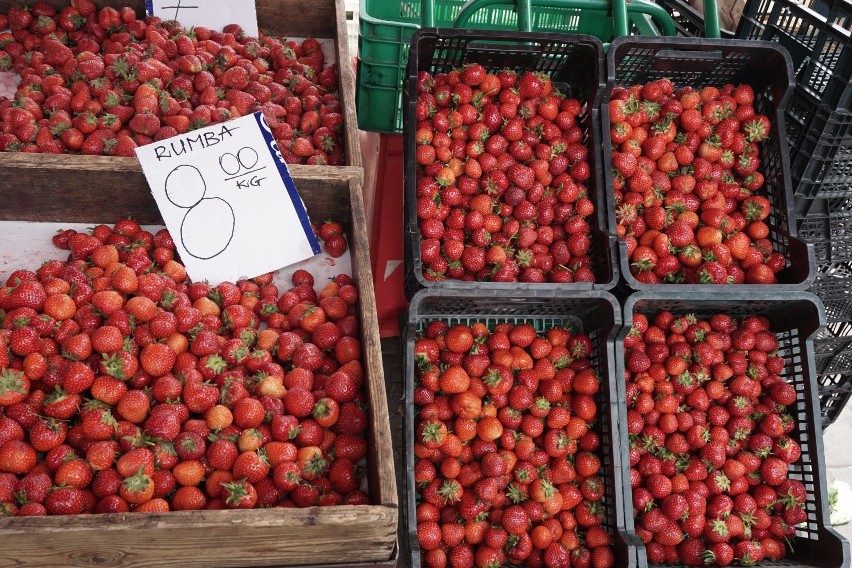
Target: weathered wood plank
[
  {"x": 381, "y": 470},
  {"x": 80, "y": 189},
  {"x": 267, "y": 537},
  {"x": 346, "y": 88}
]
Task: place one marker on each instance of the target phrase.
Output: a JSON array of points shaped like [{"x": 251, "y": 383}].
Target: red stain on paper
[{"x": 9, "y": 84}]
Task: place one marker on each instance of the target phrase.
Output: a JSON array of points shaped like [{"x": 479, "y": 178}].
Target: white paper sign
[
  {"x": 228, "y": 200},
  {"x": 213, "y": 14}
]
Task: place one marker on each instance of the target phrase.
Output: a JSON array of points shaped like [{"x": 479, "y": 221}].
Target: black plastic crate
[
  {"x": 828, "y": 272},
  {"x": 575, "y": 64},
  {"x": 699, "y": 62},
  {"x": 833, "y": 346},
  {"x": 822, "y": 206},
  {"x": 835, "y": 291},
  {"x": 834, "y": 394},
  {"x": 831, "y": 235},
  {"x": 817, "y": 36},
  {"x": 833, "y": 355},
  {"x": 795, "y": 318},
  {"x": 595, "y": 313},
  {"x": 688, "y": 21},
  {"x": 833, "y": 349},
  {"x": 820, "y": 139}
]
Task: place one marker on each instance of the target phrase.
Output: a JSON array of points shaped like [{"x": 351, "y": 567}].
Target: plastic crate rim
[
  {"x": 799, "y": 286},
  {"x": 364, "y": 16},
  {"x": 505, "y": 35},
  {"x": 704, "y": 44},
  {"x": 509, "y": 294},
  {"x": 738, "y": 296}
]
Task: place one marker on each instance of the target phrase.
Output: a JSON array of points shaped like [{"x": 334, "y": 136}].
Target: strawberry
[
  {"x": 335, "y": 246},
  {"x": 757, "y": 129},
  {"x": 239, "y": 495},
  {"x": 16, "y": 456},
  {"x": 748, "y": 552},
  {"x": 55, "y": 53},
  {"x": 65, "y": 501},
  {"x": 27, "y": 294}
]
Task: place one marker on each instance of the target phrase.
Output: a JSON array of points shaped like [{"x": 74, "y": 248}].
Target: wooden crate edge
[
  {"x": 372, "y": 348},
  {"x": 346, "y": 89}
]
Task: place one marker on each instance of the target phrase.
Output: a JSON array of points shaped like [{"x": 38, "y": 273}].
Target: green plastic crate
[{"x": 386, "y": 29}]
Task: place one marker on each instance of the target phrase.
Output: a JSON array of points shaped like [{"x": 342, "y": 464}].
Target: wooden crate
[
  {"x": 362, "y": 535},
  {"x": 288, "y": 18}
]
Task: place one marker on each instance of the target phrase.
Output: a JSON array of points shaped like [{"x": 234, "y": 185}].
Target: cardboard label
[
  {"x": 228, "y": 200},
  {"x": 213, "y": 14}
]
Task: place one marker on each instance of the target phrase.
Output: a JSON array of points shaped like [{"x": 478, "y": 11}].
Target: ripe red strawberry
[
  {"x": 335, "y": 246},
  {"x": 65, "y": 501},
  {"x": 757, "y": 129},
  {"x": 515, "y": 520},
  {"x": 748, "y": 552}
]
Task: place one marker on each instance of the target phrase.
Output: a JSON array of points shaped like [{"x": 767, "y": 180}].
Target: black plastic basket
[
  {"x": 699, "y": 62},
  {"x": 820, "y": 140},
  {"x": 795, "y": 318},
  {"x": 689, "y": 22},
  {"x": 834, "y": 394},
  {"x": 595, "y": 313},
  {"x": 834, "y": 288},
  {"x": 822, "y": 206},
  {"x": 817, "y": 36},
  {"x": 575, "y": 64},
  {"x": 833, "y": 346},
  {"x": 831, "y": 235},
  {"x": 833, "y": 356}
]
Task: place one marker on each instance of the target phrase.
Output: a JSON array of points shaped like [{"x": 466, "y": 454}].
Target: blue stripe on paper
[{"x": 295, "y": 198}]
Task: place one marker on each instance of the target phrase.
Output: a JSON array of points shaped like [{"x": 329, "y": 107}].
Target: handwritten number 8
[{"x": 186, "y": 189}]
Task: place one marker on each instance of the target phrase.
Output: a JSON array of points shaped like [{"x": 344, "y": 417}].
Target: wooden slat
[
  {"x": 264, "y": 537},
  {"x": 288, "y": 18},
  {"x": 369, "y": 142},
  {"x": 298, "y": 18},
  {"x": 104, "y": 191},
  {"x": 347, "y": 88},
  {"x": 382, "y": 471},
  {"x": 75, "y": 189}
]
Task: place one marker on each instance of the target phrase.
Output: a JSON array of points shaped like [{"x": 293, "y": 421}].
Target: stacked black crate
[{"x": 819, "y": 132}]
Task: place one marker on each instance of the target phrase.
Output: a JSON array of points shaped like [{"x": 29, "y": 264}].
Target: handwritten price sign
[
  {"x": 213, "y": 14},
  {"x": 228, "y": 200}
]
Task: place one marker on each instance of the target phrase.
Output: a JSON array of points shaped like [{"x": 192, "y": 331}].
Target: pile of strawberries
[
  {"x": 103, "y": 82},
  {"x": 710, "y": 440},
  {"x": 125, "y": 387},
  {"x": 501, "y": 178},
  {"x": 508, "y": 466},
  {"x": 687, "y": 186}
]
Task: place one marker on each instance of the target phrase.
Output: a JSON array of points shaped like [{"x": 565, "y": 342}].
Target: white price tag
[
  {"x": 228, "y": 200},
  {"x": 213, "y": 14}
]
